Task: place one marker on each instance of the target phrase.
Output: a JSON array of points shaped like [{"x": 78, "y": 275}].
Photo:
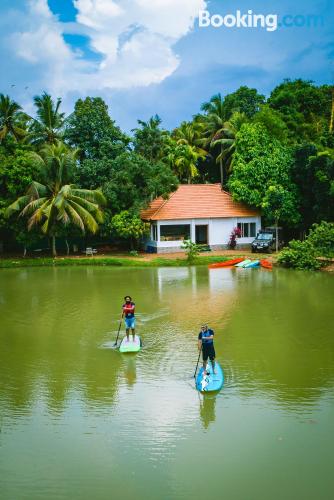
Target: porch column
[
  {"x": 193, "y": 231},
  {"x": 158, "y": 231}
]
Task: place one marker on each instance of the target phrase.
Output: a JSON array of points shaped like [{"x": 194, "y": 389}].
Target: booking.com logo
[{"x": 270, "y": 22}]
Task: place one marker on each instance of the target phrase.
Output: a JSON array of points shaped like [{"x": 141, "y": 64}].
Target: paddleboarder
[
  {"x": 205, "y": 344},
  {"x": 129, "y": 316}
]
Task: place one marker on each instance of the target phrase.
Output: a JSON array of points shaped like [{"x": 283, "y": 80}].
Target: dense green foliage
[
  {"x": 276, "y": 154},
  {"x": 305, "y": 254},
  {"x": 130, "y": 226}
]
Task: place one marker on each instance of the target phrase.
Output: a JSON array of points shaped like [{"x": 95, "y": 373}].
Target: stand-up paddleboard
[
  {"x": 130, "y": 345},
  {"x": 243, "y": 263},
  {"x": 253, "y": 263},
  {"x": 210, "y": 382}
]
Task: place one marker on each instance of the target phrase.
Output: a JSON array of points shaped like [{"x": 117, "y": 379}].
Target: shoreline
[{"x": 120, "y": 260}]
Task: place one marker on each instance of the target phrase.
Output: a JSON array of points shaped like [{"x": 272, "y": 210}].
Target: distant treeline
[{"x": 63, "y": 176}]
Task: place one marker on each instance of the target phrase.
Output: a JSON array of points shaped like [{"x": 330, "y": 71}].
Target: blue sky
[{"x": 145, "y": 57}]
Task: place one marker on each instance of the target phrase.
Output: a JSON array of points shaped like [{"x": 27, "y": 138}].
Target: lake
[{"x": 79, "y": 420}]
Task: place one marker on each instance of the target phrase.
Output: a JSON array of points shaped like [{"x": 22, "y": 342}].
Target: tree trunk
[
  {"x": 221, "y": 168},
  {"x": 332, "y": 113},
  {"x": 276, "y": 222},
  {"x": 24, "y": 251},
  {"x": 67, "y": 247},
  {"x": 54, "y": 251}
]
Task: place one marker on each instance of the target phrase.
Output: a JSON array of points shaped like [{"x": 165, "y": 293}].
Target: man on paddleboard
[
  {"x": 205, "y": 343},
  {"x": 129, "y": 316}
]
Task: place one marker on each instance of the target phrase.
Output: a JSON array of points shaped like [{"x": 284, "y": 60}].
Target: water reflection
[
  {"x": 207, "y": 409},
  {"x": 130, "y": 369},
  {"x": 272, "y": 329}
]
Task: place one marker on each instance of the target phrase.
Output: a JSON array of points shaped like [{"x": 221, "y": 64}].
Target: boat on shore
[
  {"x": 266, "y": 264},
  {"x": 226, "y": 263},
  {"x": 243, "y": 263}
]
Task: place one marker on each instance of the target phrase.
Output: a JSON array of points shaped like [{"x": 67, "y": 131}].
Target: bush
[
  {"x": 192, "y": 250},
  {"x": 322, "y": 238},
  {"x": 133, "y": 253},
  {"x": 299, "y": 255}
]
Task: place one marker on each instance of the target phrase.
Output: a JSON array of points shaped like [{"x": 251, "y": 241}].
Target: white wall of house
[{"x": 219, "y": 230}]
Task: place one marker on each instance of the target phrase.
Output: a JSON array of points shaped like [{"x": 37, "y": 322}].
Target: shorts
[
  {"x": 208, "y": 352},
  {"x": 130, "y": 322}
]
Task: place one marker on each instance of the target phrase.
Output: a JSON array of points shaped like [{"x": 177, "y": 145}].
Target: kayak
[
  {"x": 252, "y": 263},
  {"x": 226, "y": 263},
  {"x": 210, "y": 382},
  {"x": 266, "y": 264},
  {"x": 243, "y": 263},
  {"x": 130, "y": 345}
]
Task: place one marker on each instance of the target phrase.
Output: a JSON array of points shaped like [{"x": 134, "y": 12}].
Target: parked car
[{"x": 265, "y": 241}]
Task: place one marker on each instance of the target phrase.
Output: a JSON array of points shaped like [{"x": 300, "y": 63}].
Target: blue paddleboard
[
  {"x": 210, "y": 382},
  {"x": 243, "y": 263},
  {"x": 253, "y": 263}
]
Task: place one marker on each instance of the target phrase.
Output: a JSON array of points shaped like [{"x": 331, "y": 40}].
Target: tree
[
  {"x": 226, "y": 139},
  {"x": 321, "y": 237},
  {"x": 129, "y": 226},
  {"x": 90, "y": 129},
  {"x": 279, "y": 204},
  {"x": 11, "y": 119},
  {"x": 244, "y": 100},
  {"x": 57, "y": 202},
  {"x": 213, "y": 121},
  {"x": 273, "y": 121},
  {"x": 149, "y": 139},
  {"x": 183, "y": 160},
  {"x": 260, "y": 162},
  {"x": 313, "y": 174},
  {"x": 48, "y": 125},
  {"x": 305, "y": 108},
  {"x": 134, "y": 182}
]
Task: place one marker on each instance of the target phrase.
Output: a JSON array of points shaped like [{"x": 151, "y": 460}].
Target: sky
[{"x": 147, "y": 57}]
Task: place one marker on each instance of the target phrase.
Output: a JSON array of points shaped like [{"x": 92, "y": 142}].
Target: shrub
[
  {"x": 322, "y": 238},
  {"x": 192, "y": 250},
  {"x": 299, "y": 255}
]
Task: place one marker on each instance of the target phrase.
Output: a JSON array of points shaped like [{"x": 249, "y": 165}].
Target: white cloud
[{"x": 134, "y": 38}]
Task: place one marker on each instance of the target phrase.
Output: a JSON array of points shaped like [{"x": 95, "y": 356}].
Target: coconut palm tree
[
  {"x": 56, "y": 202},
  {"x": 11, "y": 118},
  {"x": 48, "y": 125},
  {"x": 213, "y": 121},
  {"x": 225, "y": 139},
  {"x": 190, "y": 133},
  {"x": 183, "y": 160}
]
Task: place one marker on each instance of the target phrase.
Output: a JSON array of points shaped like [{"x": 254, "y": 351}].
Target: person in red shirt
[{"x": 129, "y": 316}]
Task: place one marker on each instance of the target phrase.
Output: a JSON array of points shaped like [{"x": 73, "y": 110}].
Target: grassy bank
[{"x": 106, "y": 261}]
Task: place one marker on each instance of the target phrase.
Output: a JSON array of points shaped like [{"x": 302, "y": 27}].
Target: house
[{"x": 203, "y": 213}]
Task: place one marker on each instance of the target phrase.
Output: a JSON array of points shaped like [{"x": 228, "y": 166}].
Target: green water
[{"x": 79, "y": 420}]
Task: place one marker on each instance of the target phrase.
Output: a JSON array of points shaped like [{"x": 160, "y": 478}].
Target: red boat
[
  {"x": 226, "y": 263},
  {"x": 266, "y": 264}
]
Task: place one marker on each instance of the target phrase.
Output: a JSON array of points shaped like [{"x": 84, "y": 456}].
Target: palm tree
[
  {"x": 11, "y": 118},
  {"x": 149, "y": 138},
  {"x": 225, "y": 138},
  {"x": 190, "y": 133},
  {"x": 47, "y": 127},
  {"x": 213, "y": 121},
  {"x": 56, "y": 201},
  {"x": 183, "y": 159}
]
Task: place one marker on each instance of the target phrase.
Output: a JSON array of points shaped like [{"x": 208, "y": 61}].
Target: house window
[
  {"x": 155, "y": 232},
  {"x": 247, "y": 229},
  {"x": 175, "y": 232}
]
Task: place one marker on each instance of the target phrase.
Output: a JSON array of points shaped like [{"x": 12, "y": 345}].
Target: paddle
[
  {"x": 120, "y": 323},
  {"x": 199, "y": 355}
]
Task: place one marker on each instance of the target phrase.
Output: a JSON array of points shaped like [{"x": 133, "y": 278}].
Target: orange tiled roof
[{"x": 197, "y": 201}]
